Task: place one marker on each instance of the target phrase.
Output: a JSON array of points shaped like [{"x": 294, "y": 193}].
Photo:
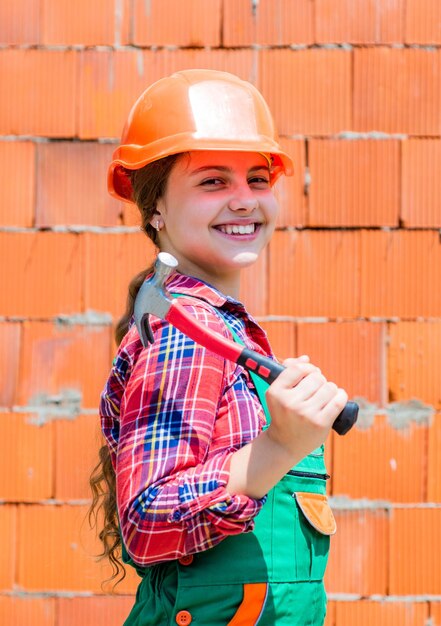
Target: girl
[{"x": 220, "y": 488}]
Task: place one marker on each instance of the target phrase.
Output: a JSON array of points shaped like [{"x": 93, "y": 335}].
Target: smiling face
[{"x": 217, "y": 214}]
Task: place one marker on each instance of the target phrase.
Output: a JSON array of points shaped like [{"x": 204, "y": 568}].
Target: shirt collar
[{"x": 189, "y": 285}]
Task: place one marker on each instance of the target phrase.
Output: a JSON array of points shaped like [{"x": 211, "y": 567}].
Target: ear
[{"x": 157, "y": 222}]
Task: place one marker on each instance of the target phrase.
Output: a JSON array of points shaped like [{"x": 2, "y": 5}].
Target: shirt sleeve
[{"x": 184, "y": 412}]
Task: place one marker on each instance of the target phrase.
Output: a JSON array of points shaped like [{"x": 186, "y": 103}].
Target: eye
[
  {"x": 212, "y": 182},
  {"x": 260, "y": 181}
]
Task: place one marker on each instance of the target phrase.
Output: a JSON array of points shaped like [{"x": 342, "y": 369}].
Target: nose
[{"x": 243, "y": 199}]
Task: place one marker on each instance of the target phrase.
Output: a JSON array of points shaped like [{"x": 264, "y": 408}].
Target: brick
[
  {"x": 119, "y": 257},
  {"x": 40, "y": 263},
  {"x": 314, "y": 273},
  {"x": 50, "y": 76},
  {"x": 8, "y": 546},
  {"x": 434, "y": 462},
  {"x": 241, "y": 62},
  {"x": 397, "y": 91},
  {"x": 358, "y": 557},
  {"x": 282, "y": 337},
  {"x": 195, "y": 23},
  {"x": 290, "y": 190},
  {"x": 62, "y": 534},
  {"x": 271, "y": 22},
  {"x": 413, "y": 364},
  {"x": 83, "y": 22},
  {"x": 76, "y": 194},
  {"x": 110, "y": 82},
  {"x": 55, "y": 532},
  {"x": 354, "y": 183},
  {"x": 131, "y": 214},
  {"x": 68, "y": 362},
  {"x": 392, "y": 461},
  {"x": 370, "y": 613},
  {"x": 308, "y": 91},
  {"x": 22, "y": 611},
  {"x": 20, "y": 22},
  {"x": 114, "y": 345},
  {"x": 72, "y": 471},
  {"x": 10, "y": 335},
  {"x": 330, "y": 614},
  {"x": 351, "y": 354},
  {"x": 26, "y": 472},
  {"x": 99, "y": 611},
  {"x": 420, "y": 183},
  {"x": 423, "y": 22},
  {"x": 415, "y": 546},
  {"x": 358, "y": 21},
  {"x": 399, "y": 271},
  {"x": 254, "y": 286},
  {"x": 17, "y": 181},
  {"x": 435, "y": 613}
]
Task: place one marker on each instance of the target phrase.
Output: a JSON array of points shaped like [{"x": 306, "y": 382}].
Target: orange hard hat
[{"x": 195, "y": 110}]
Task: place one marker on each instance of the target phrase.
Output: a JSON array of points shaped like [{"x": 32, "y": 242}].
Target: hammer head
[{"x": 153, "y": 298}]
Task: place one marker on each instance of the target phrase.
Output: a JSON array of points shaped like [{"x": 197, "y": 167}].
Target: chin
[{"x": 245, "y": 258}]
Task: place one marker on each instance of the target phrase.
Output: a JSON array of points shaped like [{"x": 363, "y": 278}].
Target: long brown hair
[{"x": 148, "y": 184}]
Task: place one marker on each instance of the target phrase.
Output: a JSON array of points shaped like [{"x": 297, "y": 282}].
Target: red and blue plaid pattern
[{"x": 172, "y": 415}]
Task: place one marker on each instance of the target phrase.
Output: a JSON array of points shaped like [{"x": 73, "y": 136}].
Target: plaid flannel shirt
[{"x": 172, "y": 415}]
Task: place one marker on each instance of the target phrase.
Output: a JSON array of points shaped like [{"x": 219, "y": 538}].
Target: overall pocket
[
  {"x": 315, "y": 525},
  {"x": 302, "y": 524},
  {"x": 219, "y": 605}
]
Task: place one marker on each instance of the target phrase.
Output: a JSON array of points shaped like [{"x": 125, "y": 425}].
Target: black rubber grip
[
  {"x": 264, "y": 367},
  {"x": 346, "y": 419},
  {"x": 268, "y": 370}
]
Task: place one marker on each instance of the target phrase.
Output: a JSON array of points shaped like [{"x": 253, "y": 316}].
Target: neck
[
  {"x": 225, "y": 279},
  {"x": 229, "y": 287},
  {"x": 228, "y": 284}
]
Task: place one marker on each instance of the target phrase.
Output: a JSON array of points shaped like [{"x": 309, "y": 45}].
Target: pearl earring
[{"x": 157, "y": 226}]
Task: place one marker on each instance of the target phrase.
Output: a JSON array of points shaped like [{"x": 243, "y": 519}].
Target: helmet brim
[{"x": 132, "y": 157}]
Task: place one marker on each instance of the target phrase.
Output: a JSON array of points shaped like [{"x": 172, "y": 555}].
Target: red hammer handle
[
  {"x": 265, "y": 368},
  {"x": 202, "y": 335}
]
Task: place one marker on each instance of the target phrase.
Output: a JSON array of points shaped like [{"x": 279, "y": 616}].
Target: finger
[
  {"x": 304, "y": 358},
  {"x": 292, "y": 375},
  {"x": 334, "y": 406},
  {"x": 309, "y": 386},
  {"x": 323, "y": 395}
]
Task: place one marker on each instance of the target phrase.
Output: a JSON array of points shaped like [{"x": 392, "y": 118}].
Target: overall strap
[{"x": 260, "y": 385}]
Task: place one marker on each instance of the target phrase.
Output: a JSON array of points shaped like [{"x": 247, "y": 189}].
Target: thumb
[{"x": 304, "y": 358}]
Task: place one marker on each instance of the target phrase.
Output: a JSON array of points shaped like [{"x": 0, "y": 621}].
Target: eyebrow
[{"x": 223, "y": 168}]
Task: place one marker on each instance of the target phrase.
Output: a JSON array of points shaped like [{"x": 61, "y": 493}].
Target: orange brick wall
[{"x": 352, "y": 276}]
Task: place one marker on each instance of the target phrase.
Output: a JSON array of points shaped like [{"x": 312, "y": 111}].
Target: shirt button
[
  {"x": 176, "y": 516},
  {"x": 183, "y": 618},
  {"x": 186, "y": 560}
]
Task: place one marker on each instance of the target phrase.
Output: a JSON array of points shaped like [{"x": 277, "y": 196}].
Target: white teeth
[{"x": 236, "y": 229}]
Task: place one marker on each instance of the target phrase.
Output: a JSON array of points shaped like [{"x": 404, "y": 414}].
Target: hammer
[{"x": 153, "y": 298}]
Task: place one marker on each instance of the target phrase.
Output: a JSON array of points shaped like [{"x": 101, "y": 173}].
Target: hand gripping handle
[{"x": 268, "y": 370}]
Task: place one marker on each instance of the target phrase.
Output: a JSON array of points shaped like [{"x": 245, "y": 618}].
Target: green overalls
[{"x": 272, "y": 576}]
